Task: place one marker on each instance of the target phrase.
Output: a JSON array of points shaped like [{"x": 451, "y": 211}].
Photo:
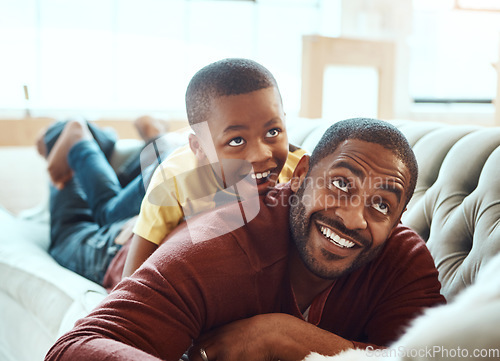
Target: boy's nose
[
  {"x": 352, "y": 215},
  {"x": 260, "y": 152}
]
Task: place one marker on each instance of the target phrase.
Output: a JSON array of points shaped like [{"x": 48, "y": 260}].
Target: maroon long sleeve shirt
[{"x": 187, "y": 288}]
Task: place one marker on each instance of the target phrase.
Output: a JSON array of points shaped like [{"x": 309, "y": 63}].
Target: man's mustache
[{"x": 336, "y": 224}]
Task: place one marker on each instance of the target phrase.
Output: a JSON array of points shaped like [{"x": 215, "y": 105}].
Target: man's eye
[
  {"x": 236, "y": 142},
  {"x": 381, "y": 207},
  {"x": 273, "y": 133},
  {"x": 340, "y": 184}
]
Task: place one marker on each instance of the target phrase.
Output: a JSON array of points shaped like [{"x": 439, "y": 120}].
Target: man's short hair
[
  {"x": 373, "y": 131},
  {"x": 232, "y": 76}
]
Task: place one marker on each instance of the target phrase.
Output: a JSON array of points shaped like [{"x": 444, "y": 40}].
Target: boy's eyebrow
[
  {"x": 272, "y": 121},
  {"x": 244, "y": 126},
  {"x": 235, "y": 127}
]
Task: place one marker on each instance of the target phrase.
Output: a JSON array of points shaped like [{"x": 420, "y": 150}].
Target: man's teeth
[
  {"x": 260, "y": 175},
  {"x": 335, "y": 238}
]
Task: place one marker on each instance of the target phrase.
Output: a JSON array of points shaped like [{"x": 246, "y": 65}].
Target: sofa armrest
[{"x": 37, "y": 295}]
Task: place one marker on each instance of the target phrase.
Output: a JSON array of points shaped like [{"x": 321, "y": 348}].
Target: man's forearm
[
  {"x": 90, "y": 348},
  {"x": 298, "y": 338},
  {"x": 273, "y": 336}
]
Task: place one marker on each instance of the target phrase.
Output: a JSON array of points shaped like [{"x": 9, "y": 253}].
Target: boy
[{"x": 235, "y": 110}]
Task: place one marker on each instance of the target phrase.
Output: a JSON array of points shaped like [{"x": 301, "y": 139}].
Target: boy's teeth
[
  {"x": 260, "y": 175},
  {"x": 335, "y": 238}
]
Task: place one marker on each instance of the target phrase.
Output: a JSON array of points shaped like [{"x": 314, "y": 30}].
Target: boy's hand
[{"x": 126, "y": 233}]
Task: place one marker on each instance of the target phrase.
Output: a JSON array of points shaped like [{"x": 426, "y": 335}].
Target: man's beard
[{"x": 300, "y": 229}]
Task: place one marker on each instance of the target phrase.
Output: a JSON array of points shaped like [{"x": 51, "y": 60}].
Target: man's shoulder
[
  {"x": 239, "y": 217},
  {"x": 405, "y": 255},
  {"x": 405, "y": 239},
  {"x": 261, "y": 235}
]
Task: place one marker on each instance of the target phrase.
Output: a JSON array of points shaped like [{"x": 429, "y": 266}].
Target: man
[{"x": 325, "y": 266}]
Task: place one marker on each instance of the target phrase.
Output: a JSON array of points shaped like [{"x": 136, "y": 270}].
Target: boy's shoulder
[
  {"x": 295, "y": 150},
  {"x": 295, "y": 153},
  {"x": 184, "y": 152},
  {"x": 180, "y": 160}
]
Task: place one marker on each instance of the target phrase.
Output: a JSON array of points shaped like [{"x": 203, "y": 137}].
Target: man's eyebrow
[
  {"x": 391, "y": 188},
  {"x": 359, "y": 173},
  {"x": 354, "y": 170}
]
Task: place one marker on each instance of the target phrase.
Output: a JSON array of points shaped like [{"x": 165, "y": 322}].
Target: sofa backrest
[{"x": 456, "y": 205}]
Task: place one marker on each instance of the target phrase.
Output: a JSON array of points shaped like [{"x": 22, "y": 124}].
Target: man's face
[
  {"x": 349, "y": 204},
  {"x": 249, "y": 127}
]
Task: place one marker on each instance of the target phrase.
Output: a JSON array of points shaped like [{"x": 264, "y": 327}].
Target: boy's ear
[
  {"x": 300, "y": 172},
  {"x": 195, "y": 145}
]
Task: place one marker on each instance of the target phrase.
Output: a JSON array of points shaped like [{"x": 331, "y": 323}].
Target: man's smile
[{"x": 335, "y": 238}]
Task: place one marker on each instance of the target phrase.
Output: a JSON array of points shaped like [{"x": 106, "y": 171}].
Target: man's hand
[
  {"x": 267, "y": 337},
  {"x": 246, "y": 340}
]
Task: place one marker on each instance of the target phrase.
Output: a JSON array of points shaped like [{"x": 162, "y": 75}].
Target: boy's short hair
[
  {"x": 373, "y": 131},
  {"x": 232, "y": 76}
]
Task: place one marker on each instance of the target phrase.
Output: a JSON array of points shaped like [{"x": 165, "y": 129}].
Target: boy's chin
[
  {"x": 265, "y": 185},
  {"x": 248, "y": 187}
]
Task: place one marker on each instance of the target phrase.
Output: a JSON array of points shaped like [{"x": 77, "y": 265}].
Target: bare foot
[
  {"x": 58, "y": 167},
  {"x": 149, "y": 127}
]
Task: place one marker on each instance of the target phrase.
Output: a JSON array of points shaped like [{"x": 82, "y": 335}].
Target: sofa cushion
[
  {"x": 458, "y": 213},
  {"x": 39, "y": 297}
]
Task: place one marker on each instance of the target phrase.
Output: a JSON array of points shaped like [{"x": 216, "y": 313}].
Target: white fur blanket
[{"x": 468, "y": 328}]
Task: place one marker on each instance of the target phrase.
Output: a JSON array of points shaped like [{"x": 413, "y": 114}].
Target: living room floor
[{"x": 23, "y": 177}]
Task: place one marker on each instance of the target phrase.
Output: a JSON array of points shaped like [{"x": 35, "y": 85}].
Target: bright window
[
  {"x": 127, "y": 57},
  {"x": 453, "y": 52}
]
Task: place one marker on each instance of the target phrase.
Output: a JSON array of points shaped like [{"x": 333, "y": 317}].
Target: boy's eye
[
  {"x": 236, "y": 142},
  {"x": 340, "y": 184},
  {"x": 273, "y": 133},
  {"x": 381, "y": 207}
]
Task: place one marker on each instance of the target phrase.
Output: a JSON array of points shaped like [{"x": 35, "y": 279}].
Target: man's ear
[
  {"x": 401, "y": 216},
  {"x": 397, "y": 222},
  {"x": 195, "y": 145},
  {"x": 300, "y": 172}
]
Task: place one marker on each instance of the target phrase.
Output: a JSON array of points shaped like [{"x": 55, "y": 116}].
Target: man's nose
[{"x": 352, "y": 214}]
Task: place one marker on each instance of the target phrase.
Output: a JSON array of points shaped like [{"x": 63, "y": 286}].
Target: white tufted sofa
[{"x": 456, "y": 209}]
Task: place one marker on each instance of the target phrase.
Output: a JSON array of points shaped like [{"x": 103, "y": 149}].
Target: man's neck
[{"x": 306, "y": 286}]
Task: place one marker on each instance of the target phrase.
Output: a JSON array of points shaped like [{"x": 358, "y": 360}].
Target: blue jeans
[{"x": 90, "y": 211}]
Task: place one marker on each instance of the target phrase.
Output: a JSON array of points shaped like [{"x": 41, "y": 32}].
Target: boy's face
[{"x": 249, "y": 127}]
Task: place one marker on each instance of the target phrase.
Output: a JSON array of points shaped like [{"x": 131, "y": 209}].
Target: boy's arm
[
  {"x": 140, "y": 250},
  {"x": 160, "y": 213}
]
